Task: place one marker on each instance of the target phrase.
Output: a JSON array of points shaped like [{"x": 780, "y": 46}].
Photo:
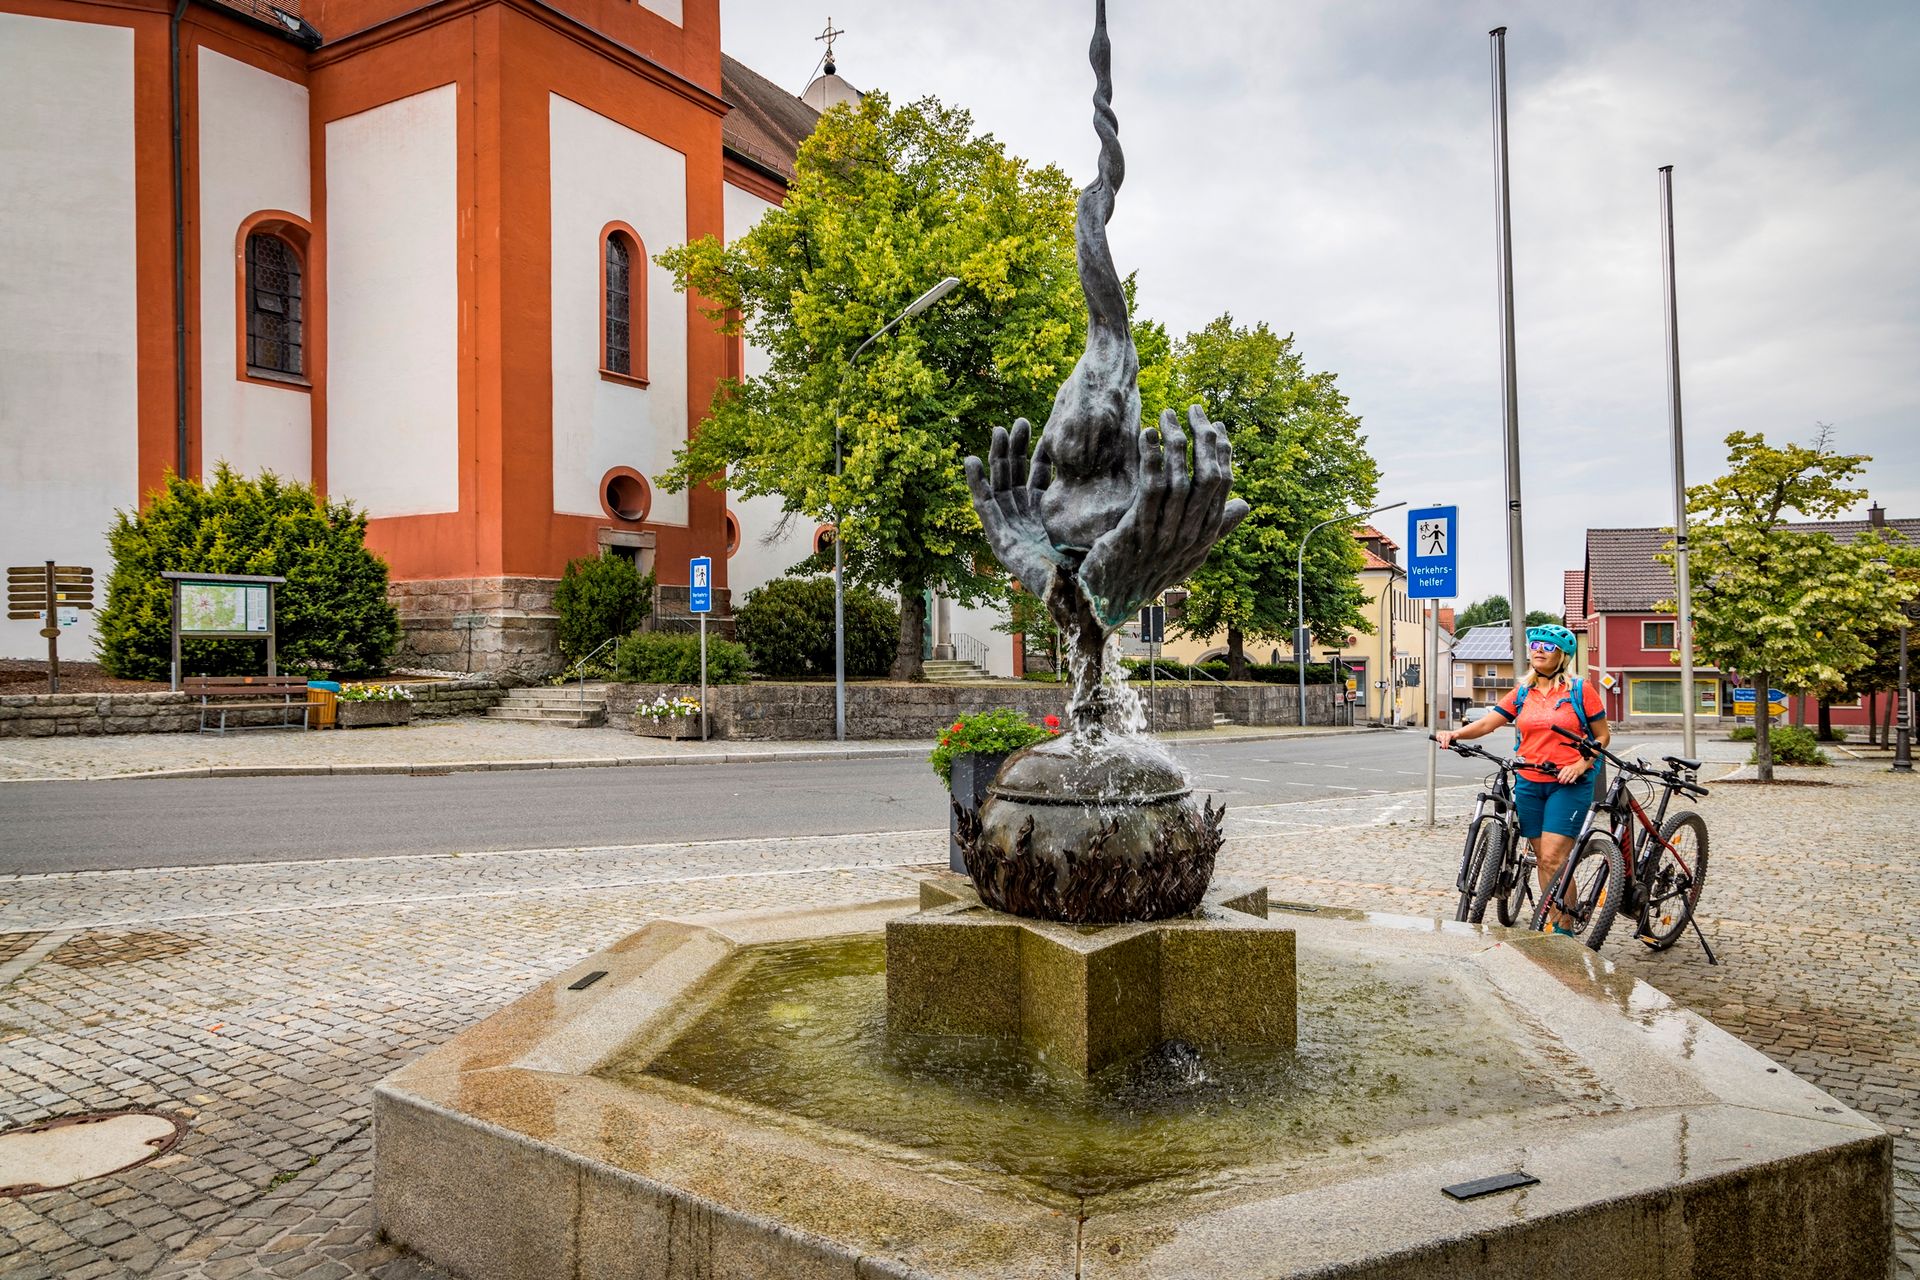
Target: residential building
[{"x": 1482, "y": 666}]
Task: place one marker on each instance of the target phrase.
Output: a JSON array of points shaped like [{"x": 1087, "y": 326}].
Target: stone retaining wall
[
  {"x": 515, "y": 634},
  {"x": 769, "y": 710},
  {"x": 45, "y": 715}
]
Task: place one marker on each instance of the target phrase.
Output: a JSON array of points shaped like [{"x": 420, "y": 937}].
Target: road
[{"x": 136, "y": 823}]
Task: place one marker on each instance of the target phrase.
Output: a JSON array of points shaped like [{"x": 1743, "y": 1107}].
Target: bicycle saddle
[{"x": 1681, "y": 762}]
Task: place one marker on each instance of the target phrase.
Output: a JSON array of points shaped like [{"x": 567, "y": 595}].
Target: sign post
[
  {"x": 700, "y": 602},
  {"x": 52, "y": 595},
  {"x": 1153, "y": 629},
  {"x": 1433, "y": 568}
]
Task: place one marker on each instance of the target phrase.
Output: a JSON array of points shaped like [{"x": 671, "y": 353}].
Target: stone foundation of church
[{"x": 503, "y": 627}]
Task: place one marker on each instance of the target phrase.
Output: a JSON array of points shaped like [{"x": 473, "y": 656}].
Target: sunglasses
[{"x": 1542, "y": 646}]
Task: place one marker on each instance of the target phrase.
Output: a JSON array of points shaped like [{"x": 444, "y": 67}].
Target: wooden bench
[{"x": 222, "y": 694}]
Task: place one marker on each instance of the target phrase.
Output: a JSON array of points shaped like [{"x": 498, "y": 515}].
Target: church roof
[{"x": 767, "y": 124}]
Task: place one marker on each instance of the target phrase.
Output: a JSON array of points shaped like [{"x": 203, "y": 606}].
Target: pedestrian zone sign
[
  {"x": 700, "y": 585},
  {"x": 1432, "y": 557},
  {"x": 1743, "y": 700}
]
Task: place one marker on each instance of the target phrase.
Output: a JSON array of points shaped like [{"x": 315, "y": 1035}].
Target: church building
[{"x": 402, "y": 251}]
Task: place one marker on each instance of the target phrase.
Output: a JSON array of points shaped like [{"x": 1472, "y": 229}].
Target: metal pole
[
  {"x": 839, "y": 606},
  {"x": 1433, "y": 686},
  {"x": 703, "y": 677},
  {"x": 176, "y": 634},
  {"x": 1509, "y": 387},
  {"x": 51, "y": 630},
  {"x": 1903, "y": 716},
  {"x": 1683, "y": 631}
]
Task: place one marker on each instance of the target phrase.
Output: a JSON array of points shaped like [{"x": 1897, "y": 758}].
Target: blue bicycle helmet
[{"x": 1554, "y": 634}]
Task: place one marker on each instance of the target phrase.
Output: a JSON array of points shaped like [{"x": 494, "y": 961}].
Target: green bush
[
  {"x": 787, "y": 627},
  {"x": 985, "y": 733},
  {"x": 599, "y": 599},
  {"x": 331, "y": 613},
  {"x": 653, "y": 657},
  {"x": 1792, "y": 746},
  {"x": 1741, "y": 733}
]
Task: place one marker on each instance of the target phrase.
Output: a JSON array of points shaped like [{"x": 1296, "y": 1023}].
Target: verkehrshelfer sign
[
  {"x": 700, "y": 585},
  {"x": 1432, "y": 557}
]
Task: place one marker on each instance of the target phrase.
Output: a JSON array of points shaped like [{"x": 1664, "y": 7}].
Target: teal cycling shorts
[{"x": 1552, "y": 806}]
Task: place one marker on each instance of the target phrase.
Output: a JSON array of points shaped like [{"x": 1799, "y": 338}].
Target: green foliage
[
  {"x": 986, "y": 733},
  {"x": 1495, "y": 608},
  {"x": 1784, "y": 606},
  {"x": 787, "y": 627},
  {"x": 885, "y": 202},
  {"x": 332, "y": 612},
  {"x": 1298, "y": 458},
  {"x": 600, "y": 598},
  {"x": 1741, "y": 733},
  {"x": 653, "y": 657},
  {"x": 1792, "y": 746}
]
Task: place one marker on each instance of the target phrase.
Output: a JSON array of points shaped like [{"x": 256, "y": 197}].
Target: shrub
[
  {"x": 787, "y": 627},
  {"x": 1792, "y": 746},
  {"x": 1741, "y": 733},
  {"x": 985, "y": 733},
  {"x": 599, "y": 599},
  {"x": 332, "y": 612},
  {"x": 652, "y": 657}
]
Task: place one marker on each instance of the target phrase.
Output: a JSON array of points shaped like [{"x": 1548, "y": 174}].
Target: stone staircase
[
  {"x": 953, "y": 671},
  {"x": 569, "y": 705}
]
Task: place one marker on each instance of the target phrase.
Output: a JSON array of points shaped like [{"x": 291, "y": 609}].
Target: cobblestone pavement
[
  {"x": 431, "y": 744},
  {"x": 263, "y": 1002}
]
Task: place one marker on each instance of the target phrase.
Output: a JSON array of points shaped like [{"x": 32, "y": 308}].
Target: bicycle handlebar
[
  {"x": 1500, "y": 761},
  {"x": 1589, "y": 747}
]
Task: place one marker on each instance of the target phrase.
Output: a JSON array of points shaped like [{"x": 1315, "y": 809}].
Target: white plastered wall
[
  {"x": 765, "y": 553},
  {"x": 668, "y": 9},
  {"x": 393, "y": 306},
  {"x": 605, "y": 172},
  {"x": 253, "y": 156},
  {"x": 69, "y": 429}
]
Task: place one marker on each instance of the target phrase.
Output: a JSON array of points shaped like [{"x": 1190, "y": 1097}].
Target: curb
[{"x": 436, "y": 768}]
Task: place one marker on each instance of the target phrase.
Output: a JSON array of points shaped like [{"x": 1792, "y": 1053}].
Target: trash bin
[{"x": 325, "y": 695}]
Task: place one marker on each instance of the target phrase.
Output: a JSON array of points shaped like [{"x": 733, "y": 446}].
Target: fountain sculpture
[{"x": 747, "y": 1094}]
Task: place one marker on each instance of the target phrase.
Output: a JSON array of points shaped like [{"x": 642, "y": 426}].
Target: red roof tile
[
  {"x": 767, "y": 124},
  {"x": 1573, "y": 600}
]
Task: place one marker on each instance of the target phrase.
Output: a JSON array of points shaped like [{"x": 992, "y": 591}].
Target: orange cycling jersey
[{"x": 1545, "y": 708}]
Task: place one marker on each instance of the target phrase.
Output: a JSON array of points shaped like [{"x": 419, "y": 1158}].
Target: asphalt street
[{"x": 136, "y": 823}]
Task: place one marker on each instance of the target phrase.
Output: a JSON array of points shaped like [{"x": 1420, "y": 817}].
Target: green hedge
[
  {"x": 1792, "y": 746},
  {"x": 787, "y": 627},
  {"x": 652, "y": 657},
  {"x": 598, "y": 599},
  {"x": 331, "y": 614}
]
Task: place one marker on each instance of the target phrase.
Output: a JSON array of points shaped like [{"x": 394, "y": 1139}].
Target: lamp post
[
  {"x": 914, "y": 308},
  {"x": 1902, "y": 716},
  {"x": 1300, "y": 597}
]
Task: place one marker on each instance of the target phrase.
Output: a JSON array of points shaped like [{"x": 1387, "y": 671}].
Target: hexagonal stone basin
[{"x": 1388, "y": 1045}]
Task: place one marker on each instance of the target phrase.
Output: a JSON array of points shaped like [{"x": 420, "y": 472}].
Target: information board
[{"x": 222, "y": 608}]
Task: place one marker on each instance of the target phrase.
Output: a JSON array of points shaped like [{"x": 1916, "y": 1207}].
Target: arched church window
[
  {"x": 275, "y": 319},
  {"x": 623, "y": 304}
]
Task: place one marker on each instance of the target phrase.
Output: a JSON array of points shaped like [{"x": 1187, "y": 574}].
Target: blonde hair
[{"x": 1562, "y": 674}]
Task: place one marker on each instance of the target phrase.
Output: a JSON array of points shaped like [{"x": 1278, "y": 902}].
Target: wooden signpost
[{"x": 46, "y": 592}]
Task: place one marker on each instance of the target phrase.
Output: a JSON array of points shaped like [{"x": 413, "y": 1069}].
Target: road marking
[{"x": 1334, "y": 786}]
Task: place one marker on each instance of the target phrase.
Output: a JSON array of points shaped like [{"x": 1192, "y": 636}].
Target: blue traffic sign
[
  {"x": 700, "y": 585},
  {"x": 1432, "y": 558}
]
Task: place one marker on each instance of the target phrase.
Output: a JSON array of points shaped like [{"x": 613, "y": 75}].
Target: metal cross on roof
[{"x": 828, "y": 35}]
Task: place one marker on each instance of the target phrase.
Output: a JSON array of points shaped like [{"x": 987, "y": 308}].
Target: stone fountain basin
[{"x": 502, "y": 1154}]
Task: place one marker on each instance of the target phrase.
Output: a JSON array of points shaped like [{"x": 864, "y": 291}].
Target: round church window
[{"x": 625, "y": 495}]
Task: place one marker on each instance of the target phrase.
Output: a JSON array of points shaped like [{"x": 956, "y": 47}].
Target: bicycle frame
[{"x": 1621, "y": 811}]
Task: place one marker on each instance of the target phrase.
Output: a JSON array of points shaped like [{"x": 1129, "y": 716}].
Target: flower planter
[
  {"x": 364, "y": 715},
  {"x": 973, "y": 773},
  {"x": 672, "y": 728}
]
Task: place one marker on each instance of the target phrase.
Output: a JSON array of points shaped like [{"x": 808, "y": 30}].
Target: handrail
[
  {"x": 968, "y": 649},
  {"x": 581, "y": 665}
]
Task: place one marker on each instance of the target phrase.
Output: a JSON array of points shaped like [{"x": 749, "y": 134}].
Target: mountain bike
[
  {"x": 1653, "y": 867},
  {"x": 1495, "y": 864}
]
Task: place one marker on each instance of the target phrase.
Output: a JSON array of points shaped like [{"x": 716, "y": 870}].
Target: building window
[
  {"x": 623, "y": 304},
  {"x": 1656, "y": 635},
  {"x": 1653, "y": 697},
  {"x": 822, "y": 538},
  {"x": 625, "y": 495},
  {"x": 733, "y": 533},
  {"x": 274, "y": 306}
]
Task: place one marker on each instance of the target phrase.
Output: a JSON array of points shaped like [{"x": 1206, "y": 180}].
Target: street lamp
[
  {"x": 914, "y": 308},
  {"x": 1300, "y": 597},
  {"x": 1903, "y": 715}
]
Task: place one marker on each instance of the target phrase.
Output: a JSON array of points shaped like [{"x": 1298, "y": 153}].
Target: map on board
[{"x": 222, "y": 606}]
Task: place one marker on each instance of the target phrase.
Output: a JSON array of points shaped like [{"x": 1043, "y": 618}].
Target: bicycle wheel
[
  {"x": 1599, "y": 870},
  {"x": 1493, "y": 859},
  {"x": 1519, "y": 888},
  {"x": 1472, "y": 858},
  {"x": 1673, "y": 887}
]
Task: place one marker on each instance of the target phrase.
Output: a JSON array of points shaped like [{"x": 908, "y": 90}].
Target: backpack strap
[{"x": 1519, "y": 705}]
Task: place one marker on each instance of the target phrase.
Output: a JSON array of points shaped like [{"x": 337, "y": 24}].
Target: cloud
[{"x": 1327, "y": 168}]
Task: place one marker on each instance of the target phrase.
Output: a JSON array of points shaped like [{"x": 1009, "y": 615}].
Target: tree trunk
[
  {"x": 1872, "y": 704},
  {"x": 1762, "y": 726},
  {"x": 1886, "y": 724},
  {"x": 1826, "y": 721},
  {"x": 1236, "y": 654},
  {"x": 913, "y": 632},
  {"x": 1798, "y": 701}
]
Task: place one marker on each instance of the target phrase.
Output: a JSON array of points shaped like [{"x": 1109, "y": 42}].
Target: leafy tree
[
  {"x": 331, "y": 614},
  {"x": 600, "y": 598},
  {"x": 1779, "y": 605},
  {"x": 1494, "y": 609},
  {"x": 885, "y": 202},
  {"x": 787, "y": 627},
  {"x": 1298, "y": 457}
]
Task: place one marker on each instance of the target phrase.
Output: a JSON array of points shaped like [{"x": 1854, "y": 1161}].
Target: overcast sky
[{"x": 1328, "y": 168}]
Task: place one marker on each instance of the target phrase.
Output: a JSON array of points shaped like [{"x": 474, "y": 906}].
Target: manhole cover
[{"x": 59, "y": 1153}]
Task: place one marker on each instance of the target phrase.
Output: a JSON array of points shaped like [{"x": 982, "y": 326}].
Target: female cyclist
[{"x": 1555, "y": 787}]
